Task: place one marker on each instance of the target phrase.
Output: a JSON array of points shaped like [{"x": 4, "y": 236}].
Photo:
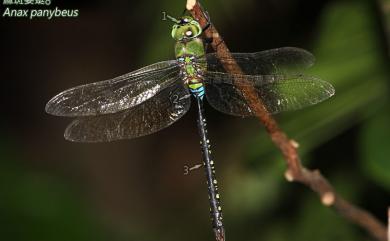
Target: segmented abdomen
[{"x": 192, "y": 74}]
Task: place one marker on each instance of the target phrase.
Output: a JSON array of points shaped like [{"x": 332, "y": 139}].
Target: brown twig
[
  {"x": 295, "y": 170},
  {"x": 388, "y": 224}
]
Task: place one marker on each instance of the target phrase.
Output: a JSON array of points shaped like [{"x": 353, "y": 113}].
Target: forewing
[
  {"x": 273, "y": 61},
  {"x": 156, "y": 113},
  {"x": 113, "y": 95},
  {"x": 277, "y": 92}
]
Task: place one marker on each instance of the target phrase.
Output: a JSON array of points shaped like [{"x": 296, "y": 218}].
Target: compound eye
[{"x": 184, "y": 21}]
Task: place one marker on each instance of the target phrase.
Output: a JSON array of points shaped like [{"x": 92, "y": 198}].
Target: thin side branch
[{"x": 295, "y": 170}]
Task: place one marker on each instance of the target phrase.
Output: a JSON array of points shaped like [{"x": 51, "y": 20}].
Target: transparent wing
[
  {"x": 156, "y": 113},
  {"x": 278, "y": 92},
  {"x": 113, "y": 95},
  {"x": 280, "y": 60}
]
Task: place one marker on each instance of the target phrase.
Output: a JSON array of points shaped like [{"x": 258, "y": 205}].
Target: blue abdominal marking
[{"x": 198, "y": 92}]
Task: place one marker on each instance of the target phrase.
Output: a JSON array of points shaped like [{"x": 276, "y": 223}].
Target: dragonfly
[{"x": 152, "y": 98}]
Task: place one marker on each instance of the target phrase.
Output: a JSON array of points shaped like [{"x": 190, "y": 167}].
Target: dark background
[{"x": 51, "y": 189}]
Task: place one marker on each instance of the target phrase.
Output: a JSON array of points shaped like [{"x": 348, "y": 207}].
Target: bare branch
[{"x": 295, "y": 170}]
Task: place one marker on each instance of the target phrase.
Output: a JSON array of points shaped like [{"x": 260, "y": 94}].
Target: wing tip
[
  {"x": 332, "y": 90},
  {"x": 52, "y": 107},
  {"x": 68, "y": 131},
  {"x": 75, "y": 132},
  {"x": 306, "y": 56},
  {"x": 328, "y": 88},
  {"x": 49, "y": 108}
]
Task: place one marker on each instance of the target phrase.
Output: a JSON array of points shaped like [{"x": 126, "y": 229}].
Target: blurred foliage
[
  {"x": 38, "y": 206},
  {"x": 375, "y": 147},
  {"x": 350, "y": 57}
]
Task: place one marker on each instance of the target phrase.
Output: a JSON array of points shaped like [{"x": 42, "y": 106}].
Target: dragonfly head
[{"x": 185, "y": 28}]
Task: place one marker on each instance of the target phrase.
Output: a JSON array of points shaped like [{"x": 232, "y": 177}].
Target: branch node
[
  {"x": 328, "y": 199},
  {"x": 289, "y": 176},
  {"x": 294, "y": 143}
]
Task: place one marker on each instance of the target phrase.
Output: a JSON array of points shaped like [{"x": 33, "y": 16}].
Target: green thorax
[
  {"x": 189, "y": 50},
  {"x": 191, "y": 47},
  {"x": 191, "y": 57}
]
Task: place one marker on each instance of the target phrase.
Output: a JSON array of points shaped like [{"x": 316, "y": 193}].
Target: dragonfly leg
[
  {"x": 208, "y": 40},
  {"x": 207, "y": 26},
  {"x": 207, "y": 15}
]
